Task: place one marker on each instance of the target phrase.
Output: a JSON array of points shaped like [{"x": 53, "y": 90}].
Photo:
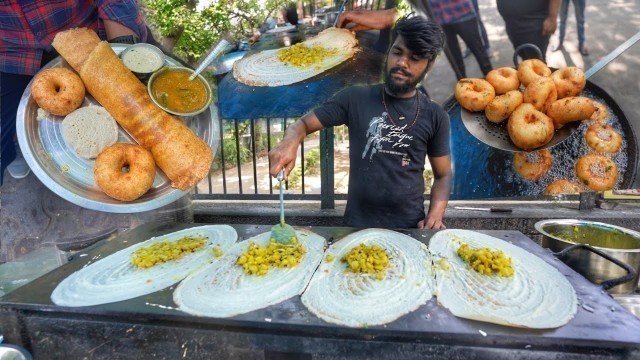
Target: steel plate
[
  {"x": 59, "y": 168},
  {"x": 497, "y": 136}
]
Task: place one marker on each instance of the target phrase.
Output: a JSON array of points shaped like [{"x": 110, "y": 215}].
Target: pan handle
[
  {"x": 607, "y": 284},
  {"x": 525, "y": 46}
]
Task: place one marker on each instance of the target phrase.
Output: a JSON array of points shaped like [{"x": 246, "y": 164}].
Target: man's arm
[
  {"x": 440, "y": 190},
  {"x": 121, "y": 18},
  {"x": 551, "y": 22},
  {"x": 368, "y": 19},
  {"x": 284, "y": 154}
]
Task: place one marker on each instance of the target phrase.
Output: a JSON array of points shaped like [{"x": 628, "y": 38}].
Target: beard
[{"x": 399, "y": 87}]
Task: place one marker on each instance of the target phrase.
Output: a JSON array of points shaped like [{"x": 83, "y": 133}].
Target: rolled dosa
[{"x": 181, "y": 155}]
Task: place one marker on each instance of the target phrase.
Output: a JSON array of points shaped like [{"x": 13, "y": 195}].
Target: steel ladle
[
  {"x": 282, "y": 233},
  {"x": 221, "y": 47}
]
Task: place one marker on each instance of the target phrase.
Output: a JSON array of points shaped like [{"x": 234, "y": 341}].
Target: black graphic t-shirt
[{"x": 387, "y": 154}]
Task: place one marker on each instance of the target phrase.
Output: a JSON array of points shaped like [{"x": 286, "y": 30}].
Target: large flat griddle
[
  {"x": 600, "y": 322},
  {"x": 239, "y": 101}
]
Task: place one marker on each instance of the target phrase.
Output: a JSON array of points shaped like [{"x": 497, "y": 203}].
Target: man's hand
[
  {"x": 368, "y": 19},
  {"x": 284, "y": 156},
  {"x": 431, "y": 222},
  {"x": 549, "y": 26}
]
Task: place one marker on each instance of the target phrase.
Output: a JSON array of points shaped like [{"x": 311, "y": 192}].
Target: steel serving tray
[{"x": 68, "y": 175}]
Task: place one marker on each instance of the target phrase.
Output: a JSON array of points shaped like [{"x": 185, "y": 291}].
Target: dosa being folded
[{"x": 178, "y": 151}]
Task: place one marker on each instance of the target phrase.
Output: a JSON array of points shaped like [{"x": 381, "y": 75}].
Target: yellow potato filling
[
  {"x": 164, "y": 251},
  {"x": 258, "y": 259},
  {"x": 486, "y": 262},
  {"x": 302, "y": 56},
  {"x": 367, "y": 259}
]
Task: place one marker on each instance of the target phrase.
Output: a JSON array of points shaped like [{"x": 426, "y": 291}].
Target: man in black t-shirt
[{"x": 392, "y": 128}]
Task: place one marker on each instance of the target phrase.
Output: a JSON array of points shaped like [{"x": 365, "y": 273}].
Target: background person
[
  {"x": 578, "y": 7},
  {"x": 26, "y": 32},
  {"x": 483, "y": 32},
  {"x": 458, "y": 18},
  {"x": 530, "y": 21},
  {"x": 392, "y": 128}
]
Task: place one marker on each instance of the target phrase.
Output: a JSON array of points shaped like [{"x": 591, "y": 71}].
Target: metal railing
[{"x": 240, "y": 150}]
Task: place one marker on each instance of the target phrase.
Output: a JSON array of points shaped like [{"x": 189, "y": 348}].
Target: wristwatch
[{"x": 126, "y": 39}]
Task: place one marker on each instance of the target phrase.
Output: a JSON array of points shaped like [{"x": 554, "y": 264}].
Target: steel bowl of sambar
[{"x": 171, "y": 89}]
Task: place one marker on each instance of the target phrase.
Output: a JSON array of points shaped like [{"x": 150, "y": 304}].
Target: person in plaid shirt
[
  {"x": 458, "y": 18},
  {"x": 27, "y": 29}
]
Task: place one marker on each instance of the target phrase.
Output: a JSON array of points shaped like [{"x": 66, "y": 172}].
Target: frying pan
[
  {"x": 492, "y": 168},
  {"x": 496, "y": 135}
]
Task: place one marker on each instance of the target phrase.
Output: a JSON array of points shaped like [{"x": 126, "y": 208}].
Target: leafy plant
[{"x": 231, "y": 154}]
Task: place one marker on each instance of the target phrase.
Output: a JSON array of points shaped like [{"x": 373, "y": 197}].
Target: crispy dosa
[
  {"x": 265, "y": 69},
  {"x": 181, "y": 155}
]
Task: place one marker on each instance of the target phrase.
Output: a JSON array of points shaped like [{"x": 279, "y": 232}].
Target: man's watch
[{"x": 126, "y": 39}]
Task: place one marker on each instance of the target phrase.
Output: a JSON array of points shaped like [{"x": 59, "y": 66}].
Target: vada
[
  {"x": 474, "y": 94},
  {"x": 501, "y": 107},
  {"x": 529, "y": 128}
]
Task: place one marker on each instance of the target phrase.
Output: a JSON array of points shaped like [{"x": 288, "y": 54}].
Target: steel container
[{"x": 617, "y": 242}]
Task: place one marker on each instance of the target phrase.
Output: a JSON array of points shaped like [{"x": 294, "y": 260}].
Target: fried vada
[
  {"x": 570, "y": 109},
  {"x": 58, "y": 91},
  {"x": 124, "y": 172},
  {"x": 541, "y": 92},
  {"x": 474, "y": 94},
  {"x": 602, "y": 138},
  {"x": 503, "y": 79},
  {"x": 597, "y": 172},
  {"x": 529, "y": 128},
  {"x": 532, "y": 165},
  {"x": 562, "y": 187},
  {"x": 531, "y": 69},
  {"x": 570, "y": 81},
  {"x": 501, "y": 107},
  {"x": 601, "y": 113}
]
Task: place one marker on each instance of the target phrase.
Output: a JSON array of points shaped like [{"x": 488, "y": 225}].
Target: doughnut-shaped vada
[
  {"x": 541, "y": 92},
  {"x": 111, "y": 176},
  {"x": 597, "y": 172},
  {"x": 570, "y": 81},
  {"x": 529, "y": 128},
  {"x": 58, "y": 90},
  {"x": 602, "y": 138},
  {"x": 600, "y": 113},
  {"x": 502, "y": 106},
  {"x": 474, "y": 94},
  {"x": 532, "y": 165},
  {"x": 531, "y": 69},
  {"x": 562, "y": 187},
  {"x": 503, "y": 79},
  {"x": 570, "y": 109}
]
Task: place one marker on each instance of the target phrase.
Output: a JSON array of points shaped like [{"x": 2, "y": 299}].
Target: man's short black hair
[{"x": 422, "y": 36}]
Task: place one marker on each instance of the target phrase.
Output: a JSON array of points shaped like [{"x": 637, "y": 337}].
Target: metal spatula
[{"x": 282, "y": 232}]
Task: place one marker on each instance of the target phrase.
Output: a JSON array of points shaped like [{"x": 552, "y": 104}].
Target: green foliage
[
  {"x": 311, "y": 167},
  {"x": 312, "y": 162},
  {"x": 230, "y": 153},
  {"x": 196, "y": 31}
]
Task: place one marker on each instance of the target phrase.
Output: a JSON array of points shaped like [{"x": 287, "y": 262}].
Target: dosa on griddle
[
  {"x": 115, "y": 278},
  {"x": 264, "y": 68},
  {"x": 537, "y": 296},
  {"x": 224, "y": 289},
  {"x": 355, "y": 299},
  {"x": 181, "y": 155}
]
